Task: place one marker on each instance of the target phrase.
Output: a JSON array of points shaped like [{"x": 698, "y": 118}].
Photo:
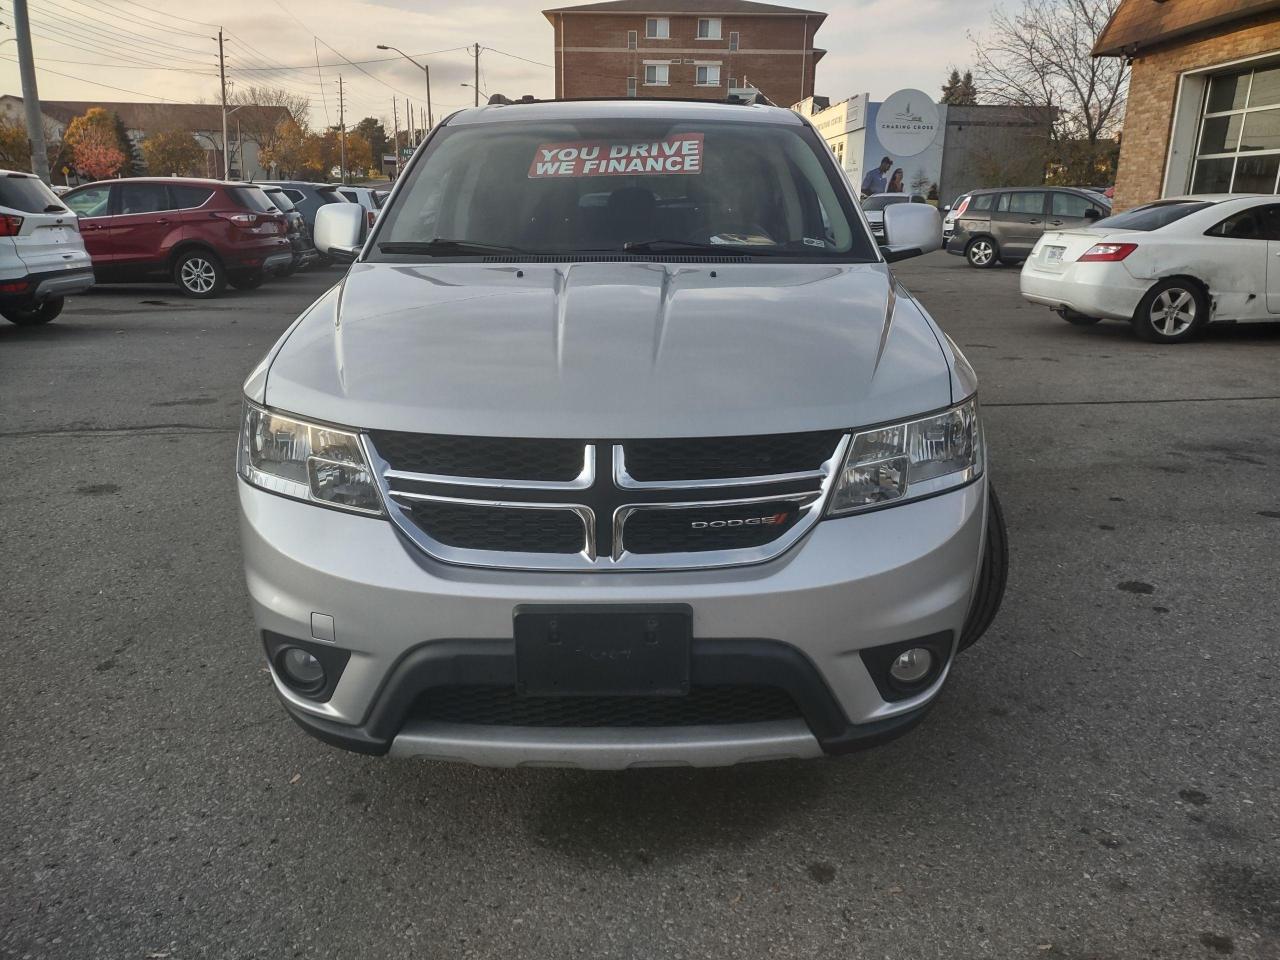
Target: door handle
[
  {"x": 1033, "y": 221},
  {"x": 90, "y": 226},
  {"x": 163, "y": 220},
  {"x": 1055, "y": 223}
]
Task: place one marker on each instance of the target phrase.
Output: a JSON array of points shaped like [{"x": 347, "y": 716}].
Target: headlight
[
  {"x": 306, "y": 461},
  {"x": 910, "y": 460}
]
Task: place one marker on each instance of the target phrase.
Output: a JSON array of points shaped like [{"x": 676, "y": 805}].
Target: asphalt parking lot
[{"x": 1101, "y": 779}]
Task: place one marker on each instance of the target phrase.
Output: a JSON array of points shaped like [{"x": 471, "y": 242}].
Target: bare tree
[
  {"x": 259, "y": 114},
  {"x": 1040, "y": 55}
]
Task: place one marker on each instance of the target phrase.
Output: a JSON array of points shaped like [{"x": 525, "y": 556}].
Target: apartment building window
[
  {"x": 631, "y": 86},
  {"x": 656, "y": 75},
  {"x": 733, "y": 82},
  {"x": 733, "y": 40},
  {"x": 1239, "y": 140},
  {"x": 709, "y": 28},
  {"x": 708, "y": 76},
  {"x": 657, "y": 28},
  {"x": 633, "y": 39}
]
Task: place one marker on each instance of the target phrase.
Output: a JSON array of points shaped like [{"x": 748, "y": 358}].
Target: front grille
[
  {"x": 502, "y": 706},
  {"x": 496, "y": 458},
  {"x": 500, "y": 528},
  {"x": 712, "y": 528},
  {"x": 720, "y": 458},
  {"x": 592, "y": 504}
]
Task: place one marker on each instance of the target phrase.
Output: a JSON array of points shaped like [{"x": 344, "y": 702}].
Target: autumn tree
[
  {"x": 960, "y": 90},
  {"x": 1041, "y": 55},
  {"x": 172, "y": 153},
  {"x": 359, "y": 155},
  {"x": 93, "y": 144},
  {"x": 15, "y": 148},
  {"x": 286, "y": 152},
  {"x": 373, "y": 131}
]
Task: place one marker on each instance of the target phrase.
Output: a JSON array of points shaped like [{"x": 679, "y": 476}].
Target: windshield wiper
[
  {"x": 676, "y": 246},
  {"x": 443, "y": 247}
]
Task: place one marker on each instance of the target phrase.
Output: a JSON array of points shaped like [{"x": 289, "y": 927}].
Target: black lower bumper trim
[{"x": 445, "y": 663}]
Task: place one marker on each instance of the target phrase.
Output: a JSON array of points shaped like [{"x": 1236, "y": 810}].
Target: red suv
[{"x": 201, "y": 234}]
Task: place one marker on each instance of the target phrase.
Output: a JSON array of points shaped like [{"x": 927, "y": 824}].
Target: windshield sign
[
  {"x": 682, "y": 154},
  {"x": 640, "y": 186}
]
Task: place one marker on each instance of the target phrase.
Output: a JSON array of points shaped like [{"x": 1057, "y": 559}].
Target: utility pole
[
  {"x": 30, "y": 96},
  {"x": 342, "y": 128},
  {"x": 222, "y": 76},
  {"x": 408, "y": 119},
  {"x": 395, "y": 143},
  {"x": 477, "y": 83}
]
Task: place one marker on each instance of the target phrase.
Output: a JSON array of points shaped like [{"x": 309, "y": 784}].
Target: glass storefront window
[{"x": 1239, "y": 146}]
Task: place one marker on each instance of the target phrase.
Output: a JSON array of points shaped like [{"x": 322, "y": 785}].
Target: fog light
[
  {"x": 301, "y": 670},
  {"x": 911, "y": 666}
]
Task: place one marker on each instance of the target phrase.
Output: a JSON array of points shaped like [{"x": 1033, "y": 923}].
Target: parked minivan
[
  {"x": 200, "y": 234},
  {"x": 1003, "y": 225},
  {"x": 619, "y": 444}
]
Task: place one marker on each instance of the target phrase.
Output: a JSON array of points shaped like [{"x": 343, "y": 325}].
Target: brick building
[
  {"x": 1204, "y": 100},
  {"x": 685, "y": 48}
]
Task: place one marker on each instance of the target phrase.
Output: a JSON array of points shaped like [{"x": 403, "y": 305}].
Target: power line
[
  {"x": 134, "y": 17},
  {"x": 95, "y": 83},
  {"x": 199, "y": 23},
  {"x": 130, "y": 36},
  {"x": 536, "y": 63}
]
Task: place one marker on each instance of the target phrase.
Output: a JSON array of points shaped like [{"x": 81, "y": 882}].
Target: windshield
[
  {"x": 879, "y": 203},
  {"x": 252, "y": 198},
  {"x": 278, "y": 197},
  {"x": 609, "y": 186},
  {"x": 28, "y": 194},
  {"x": 1153, "y": 216}
]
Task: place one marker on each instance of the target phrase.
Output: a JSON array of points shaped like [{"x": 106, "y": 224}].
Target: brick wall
[
  {"x": 774, "y": 53},
  {"x": 1153, "y": 90}
]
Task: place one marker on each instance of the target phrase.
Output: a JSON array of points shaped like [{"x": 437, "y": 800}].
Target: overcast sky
[{"x": 875, "y": 46}]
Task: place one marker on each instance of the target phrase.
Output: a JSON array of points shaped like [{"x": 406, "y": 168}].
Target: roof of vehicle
[
  {"x": 641, "y": 108},
  {"x": 297, "y": 183},
  {"x": 15, "y": 173},
  {"x": 1046, "y": 186},
  {"x": 197, "y": 181},
  {"x": 1214, "y": 197}
]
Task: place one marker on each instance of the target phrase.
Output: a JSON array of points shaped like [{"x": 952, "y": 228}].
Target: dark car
[
  {"x": 308, "y": 198},
  {"x": 201, "y": 234},
  {"x": 1002, "y": 225},
  {"x": 304, "y": 251}
]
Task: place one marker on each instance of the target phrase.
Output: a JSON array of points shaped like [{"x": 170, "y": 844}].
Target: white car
[
  {"x": 42, "y": 256},
  {"x": 1168, "y": 267},
  {"x": 372, "y": 200},
  {"x": 951, "y": 214},
  {"x": 873, "y": 206}
]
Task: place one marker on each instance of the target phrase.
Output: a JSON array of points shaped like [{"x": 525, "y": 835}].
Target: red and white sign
[{"x": 680, "y": 154}]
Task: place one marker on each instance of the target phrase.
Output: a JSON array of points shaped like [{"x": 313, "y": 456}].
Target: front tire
[
  {"x": 1173, "y": 311},
  {"x": 33, "y": 316},
  {"x": 993, "y": 576},
  {"x": 982, "y": 253},
  {"x": 199, "y": 274}
]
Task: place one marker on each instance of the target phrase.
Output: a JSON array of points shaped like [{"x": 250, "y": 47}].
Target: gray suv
[
  {"x": 617, "y": 445},
  {"x": 1003, "y": 225}
]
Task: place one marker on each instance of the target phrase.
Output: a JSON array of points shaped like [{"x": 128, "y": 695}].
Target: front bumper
[{"x": 852, "y": 584}]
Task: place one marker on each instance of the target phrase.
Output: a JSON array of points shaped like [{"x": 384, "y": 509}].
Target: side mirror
[
  {"x": 910, "y": 230},
  {"x": 340, "y": 230},
  {"x": 1092, "y": 214}
]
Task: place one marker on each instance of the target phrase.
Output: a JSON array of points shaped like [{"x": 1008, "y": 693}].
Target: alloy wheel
[
  {"x": 198, "y": 275},
  {"x": 981, "y": 253},
  {"x": 1173, "y": 311}
]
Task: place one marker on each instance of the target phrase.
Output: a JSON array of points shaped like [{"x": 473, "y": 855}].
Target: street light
[
  {"x": 431, "y": 120},
  {"x": 482, "y": 92}
]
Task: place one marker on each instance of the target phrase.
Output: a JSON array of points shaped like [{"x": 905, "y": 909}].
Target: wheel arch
[
  {"x": 1192, "y": 279},
  {"x": 188, "y": 246}
]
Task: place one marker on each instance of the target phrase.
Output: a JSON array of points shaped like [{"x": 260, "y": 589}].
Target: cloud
[{"x": 874, "y": 46}]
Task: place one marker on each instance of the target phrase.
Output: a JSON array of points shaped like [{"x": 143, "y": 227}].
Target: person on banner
[
  {"x": 895, "y": 182},
  {"x": 874, "y": 181}
]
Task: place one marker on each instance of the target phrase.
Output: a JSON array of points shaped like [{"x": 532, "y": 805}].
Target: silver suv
[
  {"x": 618, "y": 445},
  {"x": 42, "y": 257}
]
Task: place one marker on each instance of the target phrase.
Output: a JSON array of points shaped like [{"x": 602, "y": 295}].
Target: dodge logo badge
[{"x": 775, "y": 519}]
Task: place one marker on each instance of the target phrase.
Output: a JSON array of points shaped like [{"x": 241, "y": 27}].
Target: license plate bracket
[
  {"x": 603, "y": 650},
  {"x": 1054, "y": 254}
]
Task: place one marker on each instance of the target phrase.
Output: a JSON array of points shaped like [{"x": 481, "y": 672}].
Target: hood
[{"x": 611, "y": 350}]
